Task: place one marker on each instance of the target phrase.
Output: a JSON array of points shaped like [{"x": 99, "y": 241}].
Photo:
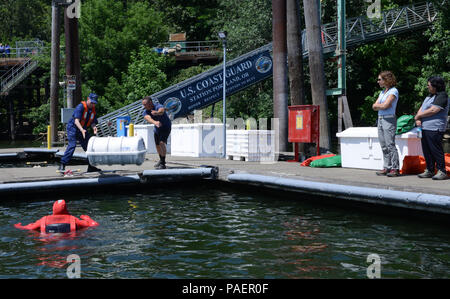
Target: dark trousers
[
  {"x": 433, "y": 150},
  {"x": 73, "y": 134}
]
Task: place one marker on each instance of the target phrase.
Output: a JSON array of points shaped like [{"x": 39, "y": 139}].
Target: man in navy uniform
[
  {"x": 156, "y": 115},
  {"x": 83, "y": 117}
]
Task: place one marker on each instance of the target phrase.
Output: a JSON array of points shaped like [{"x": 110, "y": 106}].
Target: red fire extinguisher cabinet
[{"x": 304, "y": 126}]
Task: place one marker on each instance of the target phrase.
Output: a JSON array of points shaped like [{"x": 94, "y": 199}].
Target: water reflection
[{"x": 48, "y": 248}]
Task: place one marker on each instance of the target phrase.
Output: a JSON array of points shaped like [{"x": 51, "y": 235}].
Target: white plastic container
[
  {"x": 251, "y": 145},
  {"x": 116, "y": 150},
  {"x": 360, "y": 147},
  {"x": 197, "y": 140},
  {"x": 147, "y": 133}
]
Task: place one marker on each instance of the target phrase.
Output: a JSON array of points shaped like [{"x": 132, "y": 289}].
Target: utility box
[
  {"x": 66, "y": 114},
  {"x": 122, "y": 123},
  {"x": 304, "y": 126},
  {"x": 360, "y": 147}
]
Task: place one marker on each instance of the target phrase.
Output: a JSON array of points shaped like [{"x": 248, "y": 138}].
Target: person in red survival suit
[{"x": 60, "y": 222}]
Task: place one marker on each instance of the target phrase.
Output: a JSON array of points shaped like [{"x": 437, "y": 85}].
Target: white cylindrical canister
[{"x": 116, "y": 150}]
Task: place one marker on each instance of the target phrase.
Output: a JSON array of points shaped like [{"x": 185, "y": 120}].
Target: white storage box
[
  {"x": 360, "y": 147},
  {"x": 197, "y": 140},
  {"x": 146, "y": 132},
  {"x": 116, "y": 150},
  {"x": 251, "y": 145}
]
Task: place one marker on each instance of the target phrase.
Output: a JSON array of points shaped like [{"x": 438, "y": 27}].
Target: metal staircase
[
  {"x": 16, "y": 74},
  {"x": 25, "y": 51},
  {"x": 359, "y": 30}
]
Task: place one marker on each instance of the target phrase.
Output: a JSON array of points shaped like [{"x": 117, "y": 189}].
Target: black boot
[
  {"x": 93, "y": 169},
  {"x": 62, "y": 167}
]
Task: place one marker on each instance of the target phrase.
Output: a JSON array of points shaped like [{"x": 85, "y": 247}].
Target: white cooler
[
  {"x": 197, "y": 140},
  {"x": 360, "y": 147}
]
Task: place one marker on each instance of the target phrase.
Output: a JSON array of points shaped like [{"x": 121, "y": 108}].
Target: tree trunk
[
  {"x": 280, "y": 85},
  {"x": 316, "y": 67},
  {"x": 295, "y": 53}
]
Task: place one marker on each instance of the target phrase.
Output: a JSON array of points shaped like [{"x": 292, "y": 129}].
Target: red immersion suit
[{"x": 60, "y": 222}]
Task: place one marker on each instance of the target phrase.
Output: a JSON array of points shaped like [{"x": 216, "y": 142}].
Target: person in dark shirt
[
  {"x": 432, "y": 117},
  {"x": 156, "y": 115}
]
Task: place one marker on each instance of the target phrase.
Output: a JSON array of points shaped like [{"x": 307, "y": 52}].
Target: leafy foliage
[{"x": 109, "y": 34}]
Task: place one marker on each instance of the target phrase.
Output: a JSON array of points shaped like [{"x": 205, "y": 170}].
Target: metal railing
[
  {"x": 16, "y": 74},
  {"x": 25, "y": 51},
  {"x": 189, "y": 47},
  {"x": 394, "y": 21}
]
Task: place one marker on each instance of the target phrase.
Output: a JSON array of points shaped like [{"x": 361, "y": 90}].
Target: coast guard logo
[
  {"x": 263, "y": 64},
  {"x": 172, "y": 105}
]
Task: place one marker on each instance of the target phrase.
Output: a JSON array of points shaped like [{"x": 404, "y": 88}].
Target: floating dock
[{"x": 347, "y": 184}]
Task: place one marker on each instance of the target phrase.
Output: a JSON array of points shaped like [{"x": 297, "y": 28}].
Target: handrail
[{"x": 21, "y": 69}]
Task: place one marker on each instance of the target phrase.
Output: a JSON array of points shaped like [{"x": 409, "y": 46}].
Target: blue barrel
[{"x": 122, "y": 123}]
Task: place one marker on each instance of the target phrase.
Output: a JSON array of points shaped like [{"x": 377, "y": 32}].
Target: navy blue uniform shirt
[{"x": 163, "y": 119}]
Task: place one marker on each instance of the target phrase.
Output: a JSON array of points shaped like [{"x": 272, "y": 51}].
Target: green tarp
[
  {"x": 334, "y": 161},
  {"x": 405, "y": 123}
]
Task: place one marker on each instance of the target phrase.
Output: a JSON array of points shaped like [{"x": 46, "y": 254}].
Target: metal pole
[
  {"x": 224, "y": 100},
  {"x": 54, "y": 73},
  {"x": 342, "y": 47}
]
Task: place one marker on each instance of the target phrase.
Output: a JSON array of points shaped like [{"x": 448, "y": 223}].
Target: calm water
[
  {"x": 200, "y": 233},
  {"x": 19, "y": 143}
]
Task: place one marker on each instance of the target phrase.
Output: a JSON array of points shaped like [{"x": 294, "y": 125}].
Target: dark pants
[
  {"x": 161, "y": 135},
  {"x": 433, "y": 150},
  {"x": 73, "y": 134}
]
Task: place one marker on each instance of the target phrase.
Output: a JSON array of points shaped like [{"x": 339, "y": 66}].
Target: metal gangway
[
  {"x": 359, "y": 30},
  {"x": 23, "y": 57}
]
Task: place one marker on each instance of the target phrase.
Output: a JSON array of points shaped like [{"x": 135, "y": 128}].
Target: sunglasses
[{"x": 379, "y": 79}]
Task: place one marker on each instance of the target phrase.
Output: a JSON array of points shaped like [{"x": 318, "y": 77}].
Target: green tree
[
  {"x": 249, "y": 26},
  {"x": 437, "y": 59},
  {"x": 195, "y": 17},
  {"x": 24, "y": 20},
  {"x": 109, "y": 33},
  {"x": 145, "y": 76}
]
